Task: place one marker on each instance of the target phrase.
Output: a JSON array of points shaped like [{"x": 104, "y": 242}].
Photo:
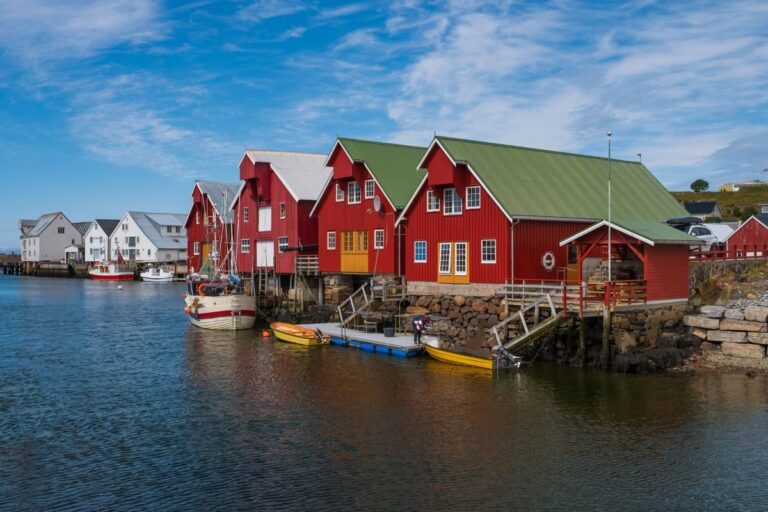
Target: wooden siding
[
  {"x": 666, "y": 272},
  {"x": 202, "y": 231},
  {"x": 533, "y": 239},
  {"x": 750, "y": 234}
]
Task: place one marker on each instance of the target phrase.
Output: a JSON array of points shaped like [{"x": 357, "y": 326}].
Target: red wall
[
  {"x": 666, "y": 272},
  {"x": 249, "y": 197},
  {"x": 338, "y": 217},
  {"x": 197, "y": 232},
  {"x": 533, "y": 239},
  {"x": 751, "y": 233}
]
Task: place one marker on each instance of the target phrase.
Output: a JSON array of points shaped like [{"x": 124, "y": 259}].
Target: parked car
[{"x": 711, "y": 233}]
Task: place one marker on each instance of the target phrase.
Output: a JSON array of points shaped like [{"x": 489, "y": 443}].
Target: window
[
  {"x": 149, "y": 252},
  {"x": 91, "y": 239},
  {"x": 245, "y": 246},
  {"x": 265, "y": 218},
  {"x": 347, "y": 240},
  {"x": 246, "y": 213},
  {"x": 573, "y": 254},
  {"x": 196, "y": 248},
  {"x": 90, "y": 251},
  {"x": 282, "y": 243},
  {"x": 433, "y": 203},
  {"x": 178, "y": 229},
  {"x": 61, "y": 231},
  {"x": 451, "y": 202},
  {"x": 339, "y": 193},
  {"x": 444, "y": 265},
  {"x": 282, "y": 210},
  {"x": 369, "y": 189},
  {"x": 487, "y": 249},
  {"x": 197, "y": 217},
  {"x": 461, "y": 259},
  {"x": 473, "y": 198},
  {"x": 420, "y": 252},
  {"x": 330, "y": 240},
  {"x": 124, "y": 227},
  {"x": 378, "y": 238},
  {"x": 353, "y": 192},
  {"x": 169, "y": 229}
]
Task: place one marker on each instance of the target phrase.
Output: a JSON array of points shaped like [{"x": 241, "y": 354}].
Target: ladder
[
  {"x": 356, "y": 303},
  {"x": 531, "y": 333}
]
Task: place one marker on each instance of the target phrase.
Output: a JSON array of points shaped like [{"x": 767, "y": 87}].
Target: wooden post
[
  {"x": 606, "y": 353},
  {"x": 583, "y": 339},
  {"x": 568, "y": 338}
]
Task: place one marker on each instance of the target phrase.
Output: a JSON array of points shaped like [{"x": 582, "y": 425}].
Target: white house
[
  {"x": 48, "y": 239},
  {"x": 96, "y": 239},
  {"x": 150, "y": 237}
]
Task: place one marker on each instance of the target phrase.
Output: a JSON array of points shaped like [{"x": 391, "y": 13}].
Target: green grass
[{"x": 728, "y": 200}]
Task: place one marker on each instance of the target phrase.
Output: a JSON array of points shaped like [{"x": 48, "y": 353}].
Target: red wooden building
[
  {"x": 357, "y": 208},
  {"x": 208, "y": 224},
  {"x": 750, "y": 240},
  {"x": 488, "y": 214},
  {"x": 271, "y": 209}
]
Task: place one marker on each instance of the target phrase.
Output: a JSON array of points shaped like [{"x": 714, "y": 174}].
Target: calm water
[{"x": 109, "y": 400}]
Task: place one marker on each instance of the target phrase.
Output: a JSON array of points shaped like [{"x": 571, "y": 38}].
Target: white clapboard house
[
  {"x": 96, "y": 239},
  {"x": 150, "y": 237},
  {"x": 49, "y": 237}
]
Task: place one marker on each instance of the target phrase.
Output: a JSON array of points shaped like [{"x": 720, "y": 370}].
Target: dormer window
[
  {"x": 451, "y": 202},
  {"x": 353, "y": 192}
]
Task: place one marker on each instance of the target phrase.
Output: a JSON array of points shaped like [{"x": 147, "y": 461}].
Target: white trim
[
  {"x": 195, "y": 248},
  {"x": 282, "y": 210},
  {"x": 365, "y": 187},
  {"x": 456, "y": 258},
  {"x": 410, "y": 201},
  {"x": 322, "y": 193},
  {"x": 742, "y": 225},
  {"x": 479, "y": 197},
  {"x": 328, "y": 241},
  {"x": 359, "y": 192},
  {"x": 425, "y": 251},
  {"x": 495, "y": 251},
  {"x": 429, "y": 149},
  {"x": 440, "y": 258},
  {"x": 434, "y": 210},
  {"x": 394, "y": 208},
  {"x": 242, "y": 246},
  {"x": 613, "y": 226},
  {"x": 375, "y": 246},
  {"x": 336, "y": 193},
  {"x": 453, "y": 202},
  {"x": 237, "y": 195}
]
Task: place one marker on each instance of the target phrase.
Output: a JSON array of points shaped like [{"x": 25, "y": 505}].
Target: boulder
[
  {"x": 756, "y": 313},
  {"x": 459, "y": 300},
  {"x": 437, "y": 308},
  {"x": 741, "y": 325},
  {"x": 729, "y": 336},
  {"x": 761, "y": 338},
  {"x": 479, "y": 306},
  {"x": 699, "y": 333},
  {"x": 453, "y": 314},
  {"x": 743, "y": 350},
  {"x": 734, "y": 314},
  {"x": 701, "y": 321},
  {"x": 713, "y": 311}
]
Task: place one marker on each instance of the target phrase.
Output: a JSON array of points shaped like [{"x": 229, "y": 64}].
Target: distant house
[
  {"x": 96, "y": 239},
  {"x": 750, "y": 239},
  {"x": 735, "y": 187},
  {"x": 48, "y": 239},
  {"x": 763, "y": 208},
  {"x": 703, "y": 209},
  {"x": 150, "y": 237},
  {"x": 209, "y": 221}
]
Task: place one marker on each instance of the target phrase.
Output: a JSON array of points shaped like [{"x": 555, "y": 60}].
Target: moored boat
[
  {"x": 500, "y": 360},
  {"x": 299, "y": 335},
  {"x": 219, "y": 304},
  {"x": 157, "y": 275},
  {"x": 110, "y": 272}
]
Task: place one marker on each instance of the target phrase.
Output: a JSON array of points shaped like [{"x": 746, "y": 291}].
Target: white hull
[
  {"x": 154, "y": 275},
  {"x": 226, "y": 312}
]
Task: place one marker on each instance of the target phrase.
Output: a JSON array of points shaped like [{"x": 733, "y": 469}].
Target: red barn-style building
[
  {"x": 208, "y": 224},
  {"x": 271, "y": 209},
  {"x": 750, "y": 240},
  {"x": 488, "y": 214},
  {"x": 356, "y": 211}
]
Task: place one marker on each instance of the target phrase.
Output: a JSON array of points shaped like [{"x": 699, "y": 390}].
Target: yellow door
[
  {"x": 354, "y": 251},
  {"x": 205, "y": 252},
  {"x": 572, "y": 270},
  {"x": 453, "y": 262}
]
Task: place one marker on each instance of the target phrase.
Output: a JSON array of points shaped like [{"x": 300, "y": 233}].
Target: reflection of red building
[
  {"x": 750, "y": 240},
  {"x": 356, "y": 210},
  {"x": 271, "y": 209},
  {"x": 208, "y": 223}
]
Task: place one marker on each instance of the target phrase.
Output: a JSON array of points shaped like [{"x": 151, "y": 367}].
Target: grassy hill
[{"x": 744, "y": 199}]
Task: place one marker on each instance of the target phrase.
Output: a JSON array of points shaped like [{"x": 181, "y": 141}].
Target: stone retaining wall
[{"x": 735, "y": 333}]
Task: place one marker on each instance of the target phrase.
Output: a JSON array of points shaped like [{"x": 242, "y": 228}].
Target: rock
[
  {"x": 479, "y": 306},
  {"x": 729, "y": 336},
  {"x": 710, "y": 347},
  {"x": 701, "y": 321},
  {"x": 756, "y": 313},
  {"x": 743, "y": 350},
  {"x": 713, "y": 311},
  {"x": 459, "y": 300},
  {"x": 734, "y": 314},
  {"x": 761, "y": 338},
  {"x": 699, "y": 333},
  {"x": 437, "y": 308},
  {"x": 741, "y": 325},
  {"x": 453, "y": 314},
  {"x": 625, "y": 340}
]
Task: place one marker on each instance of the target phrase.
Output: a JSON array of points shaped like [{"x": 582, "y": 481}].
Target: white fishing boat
[
  {"x": 159, "y": 274},
  {"x": 111, "y": 271}
]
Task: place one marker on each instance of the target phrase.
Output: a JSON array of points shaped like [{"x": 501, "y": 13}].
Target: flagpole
[{"x": 610, "y": 258}]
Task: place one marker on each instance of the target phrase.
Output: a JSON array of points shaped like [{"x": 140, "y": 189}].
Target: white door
[
  {"x": 265, "y": 253},
  {"x": 265, "y": 218}
]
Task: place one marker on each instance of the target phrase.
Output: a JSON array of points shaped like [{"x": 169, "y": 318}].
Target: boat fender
[
  {"x": 187, "y": 309},
  {"x": 201, "y": 289},
  {"x": 265, "y": 334}
]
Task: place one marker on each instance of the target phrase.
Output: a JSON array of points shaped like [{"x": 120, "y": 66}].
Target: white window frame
[
  {"x": 282, "y": 209},
  {"x": 455, "y": 200},
  {"x": 416, "y": 244},
  {"x": 483, "y": 242},
  {"x": 339, "y": 193},
  {"x": 469, "y": 190},
  {"x": 440, "y": 270},
  {"x": 245, "y": 246},
  {"x": 282, "y": 244},
  {"x": 246, "y": 214},
  {"x": 353, "y": 185},
  {"x": 466, "y": 259},
  {"x": 376, "y": 244},
  {"x": 372, "y": 192},
  {"x": 434, "y": 200},
  {"x": 330, "y": 240},
  {"x": 196, "y": 248}
]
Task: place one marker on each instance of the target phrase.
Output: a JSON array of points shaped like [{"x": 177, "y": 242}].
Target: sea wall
[{"x": 732, "y": 336}]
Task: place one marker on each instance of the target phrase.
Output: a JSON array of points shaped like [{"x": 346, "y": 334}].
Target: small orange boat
[{"x": 299, "y": 335}]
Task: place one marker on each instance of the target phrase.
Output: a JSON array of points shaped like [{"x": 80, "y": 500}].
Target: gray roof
[
  {"x": 82, "y": 227},
  {"x": 700, "y": 207},
  {"x": 221, "y": 196},
  {"x": 149, "y": 225},
  {"x": 303, "y": 174},
  {"x": 42, "y": 222},
  {"x": 108, "y": 225}
]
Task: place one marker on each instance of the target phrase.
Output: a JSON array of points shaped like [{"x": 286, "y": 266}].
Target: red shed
[
  {"x": 488, "y": 214},
  {"x": 357, "y": 208},
  {"x": 750, "y": 240},
  {"x": 271, "y": 209},
  {"x": 208, "y": 222}
]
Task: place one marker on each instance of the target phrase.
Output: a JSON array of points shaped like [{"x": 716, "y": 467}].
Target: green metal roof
[
  {"x": 658, "y": 232},
  {"x": 393, "y": 165},
  {"x": 529, "y": 182}
]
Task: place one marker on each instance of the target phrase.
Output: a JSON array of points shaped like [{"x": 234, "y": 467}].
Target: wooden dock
[{"x": 401, "y": 346}]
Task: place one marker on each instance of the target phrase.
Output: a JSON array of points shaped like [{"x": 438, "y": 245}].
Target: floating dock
[{"x": 401, "y": 346}]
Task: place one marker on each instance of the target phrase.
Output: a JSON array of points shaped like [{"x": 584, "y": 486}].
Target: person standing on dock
[{"x": 420, "y": 322}]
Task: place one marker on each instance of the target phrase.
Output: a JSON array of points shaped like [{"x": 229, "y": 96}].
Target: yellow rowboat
[
  {"x": 298, "y": 334},
  {"x": 446, "y": 356}
]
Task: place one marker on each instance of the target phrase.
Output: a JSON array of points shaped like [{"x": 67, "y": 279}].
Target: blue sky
[{"x": 112, "y": 105}]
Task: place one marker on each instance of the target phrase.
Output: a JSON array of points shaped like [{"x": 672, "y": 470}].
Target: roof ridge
[
  {"x": 511, "y": 146},
  {"x": 281, "y": 152},
  {"x": 383, "y": 143}
]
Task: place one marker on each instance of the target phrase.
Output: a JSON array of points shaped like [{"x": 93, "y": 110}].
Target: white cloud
[
  {"x": 344, "y": 10},
  {"x": 261, "y": 10}
]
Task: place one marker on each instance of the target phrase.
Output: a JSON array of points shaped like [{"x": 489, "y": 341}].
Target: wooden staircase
[
  {"x": 377, "y": 288},
  {"x": 538, "y": 328}
]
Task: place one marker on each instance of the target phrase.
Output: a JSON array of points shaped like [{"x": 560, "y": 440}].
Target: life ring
[{"x": 201, "y": 289}]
